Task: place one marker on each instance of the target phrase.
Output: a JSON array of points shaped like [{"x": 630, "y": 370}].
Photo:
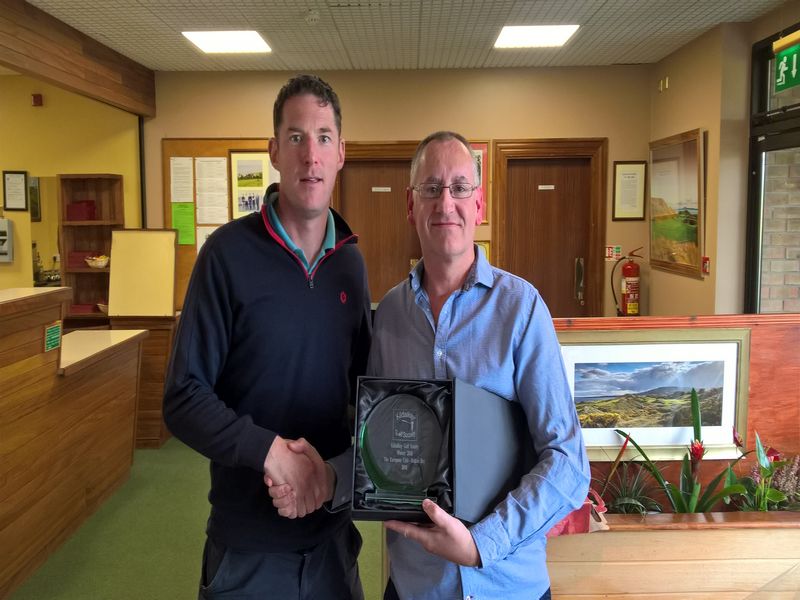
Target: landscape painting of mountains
[{"x": 647, "y": 394}]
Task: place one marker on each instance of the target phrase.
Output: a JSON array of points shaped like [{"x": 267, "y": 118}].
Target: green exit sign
[{"x": 787, "y": 74}]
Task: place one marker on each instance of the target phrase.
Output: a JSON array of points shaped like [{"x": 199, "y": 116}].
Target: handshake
[{"x": 297, "y": 479}]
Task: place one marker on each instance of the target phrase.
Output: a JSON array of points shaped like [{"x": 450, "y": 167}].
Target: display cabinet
[{"x": 90, "y": 208}]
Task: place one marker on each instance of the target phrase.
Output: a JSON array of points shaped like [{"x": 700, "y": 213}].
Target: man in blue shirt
[{"x": 459, "y": 317}]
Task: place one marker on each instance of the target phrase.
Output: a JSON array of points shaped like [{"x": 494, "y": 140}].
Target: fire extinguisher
[{"x": 629, "y": 285}]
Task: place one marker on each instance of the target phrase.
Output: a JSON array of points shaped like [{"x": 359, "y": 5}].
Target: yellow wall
[{"x": 69, "y": 134}]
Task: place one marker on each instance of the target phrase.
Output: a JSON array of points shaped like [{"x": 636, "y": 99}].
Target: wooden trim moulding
[{"x": 35, "y": 43}]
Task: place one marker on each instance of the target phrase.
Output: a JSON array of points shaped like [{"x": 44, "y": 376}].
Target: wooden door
[
  {"x": 372, "y": 199},
  {"x": 548, "y": 220},
  {"x": 547, "y": 238}
]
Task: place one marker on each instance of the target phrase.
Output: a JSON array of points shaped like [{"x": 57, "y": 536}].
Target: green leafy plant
[
  {"x": 631, "y": 491},
  {"x": 686, "y": 497},
  {"x": 628, "y": 486},
  {"x": 759, "y": 494}
]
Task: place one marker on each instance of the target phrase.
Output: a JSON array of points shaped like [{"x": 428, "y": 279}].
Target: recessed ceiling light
[
  {"x": 228, "y": 42},
  {"x": 534, "y": 36}
]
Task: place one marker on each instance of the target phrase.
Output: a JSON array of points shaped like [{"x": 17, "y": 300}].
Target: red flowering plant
[
  {"x": 686, "y": 496},
  {"x": 759, "y": 495}
]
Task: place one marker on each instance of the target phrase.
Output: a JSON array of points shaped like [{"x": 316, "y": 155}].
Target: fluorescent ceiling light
[
  {"x": 228, "y": 42},
  {"x": 534, "y": 36}
]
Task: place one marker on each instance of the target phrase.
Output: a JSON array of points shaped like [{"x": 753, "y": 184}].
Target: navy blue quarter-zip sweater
[{"x": 264, "y": 348}]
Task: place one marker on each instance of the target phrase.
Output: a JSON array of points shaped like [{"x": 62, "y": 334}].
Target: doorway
[
  {"x": 548, "y": 219},
  {"x": 370, "y": 194}
]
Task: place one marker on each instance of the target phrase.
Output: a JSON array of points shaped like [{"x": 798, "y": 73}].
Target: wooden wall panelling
[
  {"x": 151, "y": 431},
  {"x": 66, "y": 442},
  {"x": 690, "y": 564},
  {"x": 194, "y": 147},
  {"x": 37, "y": 44}
]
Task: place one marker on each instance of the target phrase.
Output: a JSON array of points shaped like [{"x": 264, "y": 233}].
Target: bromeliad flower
[
  {"x": 774, "y": 455},
  {"x": 696, "y": 451}
]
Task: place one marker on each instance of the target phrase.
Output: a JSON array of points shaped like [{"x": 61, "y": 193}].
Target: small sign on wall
[{"x": 52, "y": 336}]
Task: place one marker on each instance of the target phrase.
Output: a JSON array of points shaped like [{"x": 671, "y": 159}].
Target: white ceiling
[{"x": 398, "y": 34}]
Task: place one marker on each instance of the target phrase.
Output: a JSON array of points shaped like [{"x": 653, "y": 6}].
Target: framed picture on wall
[
  {"x": 15, "y": 190},
  {"x": 250, "y": 176},
  {"x": 35, "y": 199},
  {"x": 640, "y": 382},
  {"x": 677, "y": 204},
  {"x": 486, "y": 245},
  {"x": 629, "y": 186},
  {"x": 480, "y": 152}
]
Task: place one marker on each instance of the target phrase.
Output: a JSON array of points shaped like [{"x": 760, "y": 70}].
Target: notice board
[{"x": 193, "y": 148}]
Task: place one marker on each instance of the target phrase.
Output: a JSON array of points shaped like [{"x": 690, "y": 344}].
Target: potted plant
[
  {"x": 686, "y": 496},
  {"x": 629, "y": 490}
]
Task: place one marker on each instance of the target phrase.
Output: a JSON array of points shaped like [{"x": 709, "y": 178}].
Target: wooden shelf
[
  {"x": 98, "y": 196},
  {"x": 90, "y": 223},
  {"x": 86, "y": 270}
]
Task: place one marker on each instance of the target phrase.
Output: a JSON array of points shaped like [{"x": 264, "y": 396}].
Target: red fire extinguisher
[{"x": 629, "y": 285}]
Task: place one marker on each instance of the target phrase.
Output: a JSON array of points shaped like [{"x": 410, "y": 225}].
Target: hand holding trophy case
[{"x": 459, "y": 445}]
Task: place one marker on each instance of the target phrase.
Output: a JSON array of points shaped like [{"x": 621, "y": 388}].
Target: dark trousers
[
  {"x": 391, "y": 593},
  {"x": 326, "y": 571}
]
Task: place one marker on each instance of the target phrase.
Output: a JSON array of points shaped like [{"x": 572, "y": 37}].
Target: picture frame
[
  {"x": 677, "y": 203},
  {"x": 630, "y": 177},
  {"x": 15, "y": 190},
  {"x": 480, "y": 152},
  {"x": 249, "y": 176},
  {"x": 35, "y": 200},
  {"x": 640, "y": 381},
  {"x": 487, "y": 249}
]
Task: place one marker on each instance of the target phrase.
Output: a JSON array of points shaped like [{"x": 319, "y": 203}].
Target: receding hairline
[{"x": 441, "y": 137}]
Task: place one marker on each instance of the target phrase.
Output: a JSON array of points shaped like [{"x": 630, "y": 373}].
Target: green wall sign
[
  {"x": 52, "y": 336},
  {"x": 787, "y": 70}
]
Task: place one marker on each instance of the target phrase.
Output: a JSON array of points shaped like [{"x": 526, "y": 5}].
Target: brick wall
[{"x": 780, "y": 244}]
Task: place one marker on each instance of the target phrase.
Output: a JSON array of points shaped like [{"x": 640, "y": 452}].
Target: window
[{"x": 772, "y": 273}]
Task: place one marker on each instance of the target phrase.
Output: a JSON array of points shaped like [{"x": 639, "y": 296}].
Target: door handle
[{"x": 579, "y": 281}]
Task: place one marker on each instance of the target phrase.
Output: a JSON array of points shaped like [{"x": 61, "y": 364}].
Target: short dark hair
[
  {"x": 300, "y": 85},
  {"x": 438, "y": 136}
]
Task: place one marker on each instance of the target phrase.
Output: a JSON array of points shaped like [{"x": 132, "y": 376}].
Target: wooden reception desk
[{"x": 67, "y": 425}]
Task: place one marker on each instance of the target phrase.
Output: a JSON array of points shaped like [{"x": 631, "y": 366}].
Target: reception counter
[{"x": 67, "y": 425}]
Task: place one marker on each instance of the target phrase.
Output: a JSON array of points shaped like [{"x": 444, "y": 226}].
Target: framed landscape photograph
[
  {"x": 250, "y": 176},
  {"x": 677, "y": 203},
  {"x": 641, "y": 382}
]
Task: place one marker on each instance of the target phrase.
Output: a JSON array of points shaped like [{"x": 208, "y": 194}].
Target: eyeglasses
[{"x": 431, "y": 191}]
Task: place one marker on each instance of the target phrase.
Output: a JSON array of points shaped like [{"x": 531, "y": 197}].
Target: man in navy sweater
[{"x": 274, "y": 329}]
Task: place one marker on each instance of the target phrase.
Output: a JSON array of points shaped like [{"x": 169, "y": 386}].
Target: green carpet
[{"x": 145, "y": 542}]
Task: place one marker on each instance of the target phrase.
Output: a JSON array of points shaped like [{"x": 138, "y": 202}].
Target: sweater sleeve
[{"x": 192, "y": 410}]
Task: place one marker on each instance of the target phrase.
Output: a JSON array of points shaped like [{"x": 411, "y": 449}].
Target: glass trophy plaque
[{"x": 399, "y": 442}]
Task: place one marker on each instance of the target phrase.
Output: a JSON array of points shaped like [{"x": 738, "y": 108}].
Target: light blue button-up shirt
[{"x": 495, "y": 333}]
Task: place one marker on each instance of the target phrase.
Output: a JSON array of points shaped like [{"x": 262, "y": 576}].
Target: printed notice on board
[
  {"x": 212, "y": 189},
  {"x": 180, "y": 177},
  {"x": 183, "y": 221},
  {"x": 202, "y": 235}
]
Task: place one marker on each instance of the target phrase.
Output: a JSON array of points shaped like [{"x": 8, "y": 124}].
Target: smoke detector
[{"x": 312, "y": 16}]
